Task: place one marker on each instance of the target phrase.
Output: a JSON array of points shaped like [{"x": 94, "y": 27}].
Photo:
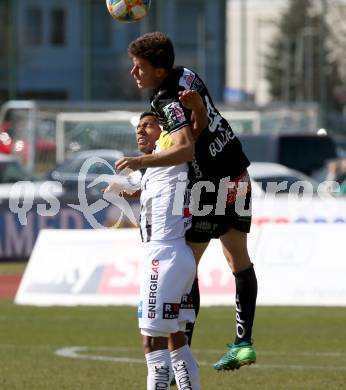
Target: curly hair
[{"x": 155, "y": 47}]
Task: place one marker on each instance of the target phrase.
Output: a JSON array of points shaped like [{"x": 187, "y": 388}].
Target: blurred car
[
  {"x": 279, "y": 179},
  {"x": 17, "y": 182},
  {"x": 98, "y": 162},
  {"x": 45, "y": 140},
  {"x": 6, "y": 143},
  {"x": 12, "y": 171},
  {"x": 87, "y": 135},
  {"x": 303, "y": 152}
]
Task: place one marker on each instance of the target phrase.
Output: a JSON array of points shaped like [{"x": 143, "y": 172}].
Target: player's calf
[{"x": 185, "y": 369}]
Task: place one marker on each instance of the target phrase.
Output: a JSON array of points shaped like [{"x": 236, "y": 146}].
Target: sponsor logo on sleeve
[
  {"x": 174, "y": 114},
  {"x": 197, "y": 85},
  {"x": 187, "y": 79}
]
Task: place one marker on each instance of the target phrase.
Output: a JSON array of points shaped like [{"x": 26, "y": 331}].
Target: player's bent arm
[
  {"x": 199, "y": 120},
  {"x": 193, "y": 101},
  {"x": 182, "y": 150}
]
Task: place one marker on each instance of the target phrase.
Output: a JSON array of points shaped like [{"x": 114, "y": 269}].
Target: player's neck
[{"x": 162, "y": 78}]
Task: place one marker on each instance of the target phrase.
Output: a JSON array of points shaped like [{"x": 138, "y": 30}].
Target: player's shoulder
[
  {"x": 182, "y": 78},
  {"x": 189, "y": 79},
  {"x": 165, "y": 140}
]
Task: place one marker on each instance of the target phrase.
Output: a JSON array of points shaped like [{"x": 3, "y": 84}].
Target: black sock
[
  {"x": 195, "y": 298},
  {"x": 246, "y": 294}
]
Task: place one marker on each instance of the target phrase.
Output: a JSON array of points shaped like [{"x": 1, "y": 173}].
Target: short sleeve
[{"x": 171, "y": 112}]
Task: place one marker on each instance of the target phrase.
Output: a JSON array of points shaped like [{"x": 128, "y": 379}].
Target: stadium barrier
[
  {"x": 102, "y": 267},
  {"x": 18, "y": 239}
]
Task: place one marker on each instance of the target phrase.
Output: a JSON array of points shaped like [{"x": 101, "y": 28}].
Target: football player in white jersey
[{"x": 169, "y": 268}]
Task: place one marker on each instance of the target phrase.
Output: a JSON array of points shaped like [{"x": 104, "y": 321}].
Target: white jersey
[{"x": 162, "y": 200}]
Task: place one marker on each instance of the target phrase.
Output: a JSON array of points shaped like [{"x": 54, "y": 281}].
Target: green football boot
[{"x": 238, "y": 355}]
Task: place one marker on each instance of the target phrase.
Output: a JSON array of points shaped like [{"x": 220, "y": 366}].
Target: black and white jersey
[
  {"x": 164, "y": 202},
  {"x": 218, "y": 152}
]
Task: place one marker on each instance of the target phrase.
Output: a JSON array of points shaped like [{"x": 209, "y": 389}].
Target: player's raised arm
[{"x": 181, "y": 151}]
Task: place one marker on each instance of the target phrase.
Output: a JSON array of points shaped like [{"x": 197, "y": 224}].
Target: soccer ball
[{"x": 128, "y": 10}]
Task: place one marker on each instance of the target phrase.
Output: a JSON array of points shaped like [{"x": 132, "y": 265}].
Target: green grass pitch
[{"x": 298, "y": 348}]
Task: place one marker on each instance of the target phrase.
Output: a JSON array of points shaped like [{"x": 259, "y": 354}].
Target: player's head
[
  {"x": 152, "y": 55},
  {"x": 147, "y": 132}
]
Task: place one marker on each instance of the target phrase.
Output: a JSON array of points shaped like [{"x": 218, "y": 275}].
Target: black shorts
[{"x": 236, "y": 215}]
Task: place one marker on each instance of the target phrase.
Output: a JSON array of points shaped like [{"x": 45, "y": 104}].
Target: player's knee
[
  {"x": 176, "y": 340},
  {"x": 153, "y": 343},
  {"x": 147, "y": 344}
]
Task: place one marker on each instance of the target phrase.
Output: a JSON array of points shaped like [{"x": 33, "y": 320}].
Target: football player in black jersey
[{"x": 219, "y": 182}]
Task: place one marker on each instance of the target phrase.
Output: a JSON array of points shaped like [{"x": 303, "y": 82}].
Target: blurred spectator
[
  {"x": 332, "y": 171},
  {"x": 330, "y": 184},
  {"x": 341, "y": 178}
]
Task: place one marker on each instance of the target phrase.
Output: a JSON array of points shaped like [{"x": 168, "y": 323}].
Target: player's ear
[{"x": 160, "y": 72}]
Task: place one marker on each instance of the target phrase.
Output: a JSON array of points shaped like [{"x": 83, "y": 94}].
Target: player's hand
[
  {"x": 133, "y": 163},
  {"x": 118, "y": 190},
  {"x": 115, "y": 189},
  {"x": 190, "y": 99}
]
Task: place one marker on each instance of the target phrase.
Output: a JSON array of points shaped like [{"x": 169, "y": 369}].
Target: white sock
[
  {"x": 185, "y": 369},
  {"x": 159, "y": 366}
]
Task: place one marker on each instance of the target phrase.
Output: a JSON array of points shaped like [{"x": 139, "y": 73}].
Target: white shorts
[{"x": 168, "y": 273}]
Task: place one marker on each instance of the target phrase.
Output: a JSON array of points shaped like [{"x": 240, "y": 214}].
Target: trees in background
[{"x": 302, "y": 63}]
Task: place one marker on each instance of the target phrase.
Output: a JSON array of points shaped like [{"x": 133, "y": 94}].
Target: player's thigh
[
  {"x": 198, "y": 248},
  {"x": 234, "y": 246}
]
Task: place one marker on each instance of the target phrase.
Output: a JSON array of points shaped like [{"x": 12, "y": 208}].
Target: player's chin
[{"x": 144, "y": 148}]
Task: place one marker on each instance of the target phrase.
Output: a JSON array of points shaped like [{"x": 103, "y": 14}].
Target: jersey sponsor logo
[
  {"x": 186, "y": 79},
  {"x": 220, "y": 142},
  {"x": 155, "y": 266},
  {"x": 152, "y": 298},
  {"x": 174, "y": 114},
  {"x": 197, "y": 85},
  {"x": 203, "y": 226},
  {"x": 196, "y": 169},
  {"x": 170, "y": 311},
  {"x": 215, "y": 119},
  {"x": 186, "y": 302},
  {"x": 140, "y": 309}
]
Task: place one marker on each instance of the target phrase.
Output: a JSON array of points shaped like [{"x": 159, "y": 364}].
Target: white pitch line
[
  {"x": 77, "y": 353},
  {"x": 74, "y": 353},
  {"x": 198, "y": 351}
]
